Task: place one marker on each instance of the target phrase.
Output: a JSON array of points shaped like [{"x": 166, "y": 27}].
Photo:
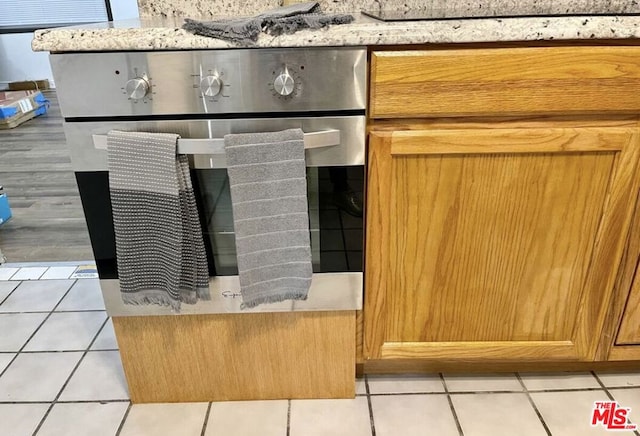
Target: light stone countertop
[
  {"x": 166, "y": 34},
  {"x": 212, "y": 8}
]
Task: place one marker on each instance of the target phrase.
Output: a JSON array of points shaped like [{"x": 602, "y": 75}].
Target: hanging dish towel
[
  {"x": 267, "y": 177},
  {"x": 159, "y": 245},
  {"x": 286, "y": 19}
]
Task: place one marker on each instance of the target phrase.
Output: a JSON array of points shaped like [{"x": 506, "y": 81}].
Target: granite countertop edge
[{"x": 362, "y": 32}]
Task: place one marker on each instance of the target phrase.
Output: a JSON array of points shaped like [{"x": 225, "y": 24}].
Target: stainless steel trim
[
  {"x": 327, "y": 138},
  {"x": 350, "y": 151},
  {"x": 329, "y": 291},
  {"x": 326, "y": 79}
]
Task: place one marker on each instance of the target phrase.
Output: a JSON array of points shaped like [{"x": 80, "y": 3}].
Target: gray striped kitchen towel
[
  {"x": 159, "y": 245},
  {"x": 267, "y": 177}
]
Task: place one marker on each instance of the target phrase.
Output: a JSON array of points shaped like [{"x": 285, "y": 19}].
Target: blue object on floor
[
  {"x": 39, "y": 105},
  {"x": 43, "y": 104},
  {"x": 5, "y": 210}
]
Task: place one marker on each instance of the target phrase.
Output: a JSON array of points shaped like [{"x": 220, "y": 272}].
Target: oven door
[{"x": 335, "y": 171}]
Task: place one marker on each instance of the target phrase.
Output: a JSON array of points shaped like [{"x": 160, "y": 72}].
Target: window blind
[{"x": 34, "y": 13}]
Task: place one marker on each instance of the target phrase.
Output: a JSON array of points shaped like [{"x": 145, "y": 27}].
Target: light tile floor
[{"x": 60, "y": 374}]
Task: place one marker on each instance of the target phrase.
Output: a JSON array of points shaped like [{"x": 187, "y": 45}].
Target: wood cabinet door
[
  {"x": 495, "y": 243},
  {"x": 629, "y": 333}
]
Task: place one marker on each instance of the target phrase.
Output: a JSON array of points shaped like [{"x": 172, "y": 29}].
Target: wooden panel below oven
[{"x": 238, "y": 357}]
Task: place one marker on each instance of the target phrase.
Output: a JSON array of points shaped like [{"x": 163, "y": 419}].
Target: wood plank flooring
[{"x": 35, "y": 170}]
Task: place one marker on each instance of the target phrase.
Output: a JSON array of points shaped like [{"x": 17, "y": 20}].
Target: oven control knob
[
  {"x": 211, "y": 86},
  {"x": 137, "y": 88},
  {"x": 284, "y": 84}
]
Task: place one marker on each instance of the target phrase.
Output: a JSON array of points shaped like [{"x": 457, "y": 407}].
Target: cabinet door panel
[
  {"x": 494, "y": 242},
  {"x": 497, "y": 234},
  {"x": 629, "y": 333}
]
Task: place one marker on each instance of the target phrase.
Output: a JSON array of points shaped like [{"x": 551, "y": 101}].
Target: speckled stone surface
[
  {"x": 203, "y": 8},
  {"x": 208, "y": 8},
  {"x": 167, "y": 35},
  {"x": 491, "y": 7}
]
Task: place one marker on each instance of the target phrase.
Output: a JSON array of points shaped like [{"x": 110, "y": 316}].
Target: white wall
[
  {"x": 18, "y": 62},
  {"x": 123, "y": 9}
]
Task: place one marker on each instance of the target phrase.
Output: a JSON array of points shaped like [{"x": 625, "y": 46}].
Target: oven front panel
[
  {"x": 329, "y": 291},
  {"x": 349, "y": 152},
  {"x": 336, "y": 243},
  {"x": 210, "y": 81},
  {"x": 336, "y": 236}
]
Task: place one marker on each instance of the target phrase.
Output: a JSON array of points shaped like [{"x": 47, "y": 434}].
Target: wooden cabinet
[
  {"x": 504, "y": 81},
  {"x": 629, "y": 333},
  {"x": 500, "y": 239},
  {"x": 495, "y": 243}
]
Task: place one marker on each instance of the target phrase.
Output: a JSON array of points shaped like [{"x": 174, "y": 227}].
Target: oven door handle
[{"x": 323, "y": 138}]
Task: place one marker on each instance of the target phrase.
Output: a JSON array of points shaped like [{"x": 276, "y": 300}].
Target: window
[{"x": 27, "y": 15}]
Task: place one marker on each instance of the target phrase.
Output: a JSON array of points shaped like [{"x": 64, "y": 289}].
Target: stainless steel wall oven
[{"x": 203, "y": 95}]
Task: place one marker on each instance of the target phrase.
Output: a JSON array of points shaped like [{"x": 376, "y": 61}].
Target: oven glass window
[{"x": 335, "y": 196}]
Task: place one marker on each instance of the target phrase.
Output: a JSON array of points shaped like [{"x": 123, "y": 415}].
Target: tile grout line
[
  {"x": 47, "y": 311},
  {"x": 447, "y": 393},
  {"x": 77, "y": 350},
  {"x": 29, "y": 280},
  {"x": 451, "y": 407},
  {"x": 46, "y": 268},
  {"x": 371, "y": 420},
  {"x": 82, "y": 350},
  {"x": 289, "y": 417},
  {"x": 9, "y": 279},
  {"x": 73, "y": 371},
  {"x": 602, "y": 386},
  {"x": 124, "y": 418},
  {"x": 534, "y": 391},
  {"x": 34, "y": 332},
  {"x": 206, "y": 419},
  {"x": 533, "y": 404},
  {"x": 358, "y": 395},
  {"x": 104, "y": 349},
  {"x": 75, "y": 268},
  {"x": 82, "y": 310},
  {"x": 66, "y": 351},
  {"x": 610, "y": 395},
  {"x": 66, "y": 402},
  {"x": 10, "y": 293},
  {"x": 49, "y": 264}
]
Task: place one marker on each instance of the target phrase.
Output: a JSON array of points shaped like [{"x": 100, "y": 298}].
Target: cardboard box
[
  {"x": 5, "y": 210},
  {"x": 13, "y": 103},
  {"x": 16, "y": 107},
  {"x": 39, "y": 85}
]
